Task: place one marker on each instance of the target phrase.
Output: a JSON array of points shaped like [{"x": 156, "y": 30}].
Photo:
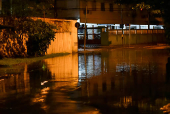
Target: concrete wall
[
  {"x": 136, "y": 39},
  {"x": 104, "y": 39},
  {"x": 61, "y": 44},
  {"x": 65, "y": 38}
]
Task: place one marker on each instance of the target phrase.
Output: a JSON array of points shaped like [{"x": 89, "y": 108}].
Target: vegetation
[
  {"x": 28, "y": 8},
  {"x": 162, "y": 6},
  {"x": 14, "y": 61},
  {"x": 166, "y": 17},
  {"x": 17, "y": 13},
  {"x": 40, "y": 35}
]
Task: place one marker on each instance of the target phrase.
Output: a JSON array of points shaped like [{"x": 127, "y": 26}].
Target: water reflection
[
  {"x": 2, "y": 86},
  {"x": 168, "y": 70},
  {"x": 91, "y": 67},
  {"x": 15, "y": 83},
  {"x": 64, "y": 70},
  {"x": 118, "y": 81},
  {"x": 128, "y": 78},
  {"x": 42, "y": 87},
  {"x": 64, "y": 79},
  {"x": 41, "y": 98}
]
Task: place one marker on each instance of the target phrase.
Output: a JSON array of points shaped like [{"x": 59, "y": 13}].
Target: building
[
  {"x": 98, "y": 11},
  {"x": 108, "y": 12},
  {"x": 116, "y": 20},
  {"x": 67, "y": 9}
]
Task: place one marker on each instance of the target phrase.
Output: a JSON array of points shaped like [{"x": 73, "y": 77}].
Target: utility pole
[
  {"x": 129, "y": 35},
  {"x": 85, "y": 28},
  {"x": 148, "y": 21},
  {"x": 122, "y": 22}
]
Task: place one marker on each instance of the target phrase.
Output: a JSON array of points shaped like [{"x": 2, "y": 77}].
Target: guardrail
[{"x": 137, "y": 31}]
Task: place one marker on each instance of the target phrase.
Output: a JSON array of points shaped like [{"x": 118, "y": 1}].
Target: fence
[{"x": 138, "y": 31}]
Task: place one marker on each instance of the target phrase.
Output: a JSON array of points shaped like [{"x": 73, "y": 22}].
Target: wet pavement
[{"x": 104, "y": 81}]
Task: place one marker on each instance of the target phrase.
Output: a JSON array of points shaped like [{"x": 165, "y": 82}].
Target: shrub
[
  {"x": 40, "y": 35},
  {"x": 37, "y": 33}
]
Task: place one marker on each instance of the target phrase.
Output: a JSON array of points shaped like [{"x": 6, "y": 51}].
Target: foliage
[
  {"x": 43, "y": 8},
  {"x": 11, "y": 45},
  {"x": 166, "y": 18},
  {"x": 17, "y": 13},
  {"x": 142, "y": 6},
  {"x": 38, "y": 32},
  {"x": 162, "y": 7},
  {"x": 28, "y": 8},
  {"x": 40, "y": 35},
  {"x": 16, "y": 8}
]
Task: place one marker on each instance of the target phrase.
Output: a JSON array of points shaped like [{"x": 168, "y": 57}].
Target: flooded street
[{"x": 110, "y": 81}]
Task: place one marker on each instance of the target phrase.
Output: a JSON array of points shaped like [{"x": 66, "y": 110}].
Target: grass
[{"x": 15, "y": 61}]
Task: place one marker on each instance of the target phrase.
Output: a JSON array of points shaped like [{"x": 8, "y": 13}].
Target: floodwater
[{"x": 110, "y": 81}]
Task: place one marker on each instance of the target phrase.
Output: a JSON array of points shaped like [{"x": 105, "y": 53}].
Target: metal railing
[
  {"x": 89, "y": 36},
  {"x": 138, "y": 31}
]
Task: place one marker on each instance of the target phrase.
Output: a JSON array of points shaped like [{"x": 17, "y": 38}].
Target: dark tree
[
  {"x": 17, "y": 13},
  {"x": 162, "y": 5}
]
